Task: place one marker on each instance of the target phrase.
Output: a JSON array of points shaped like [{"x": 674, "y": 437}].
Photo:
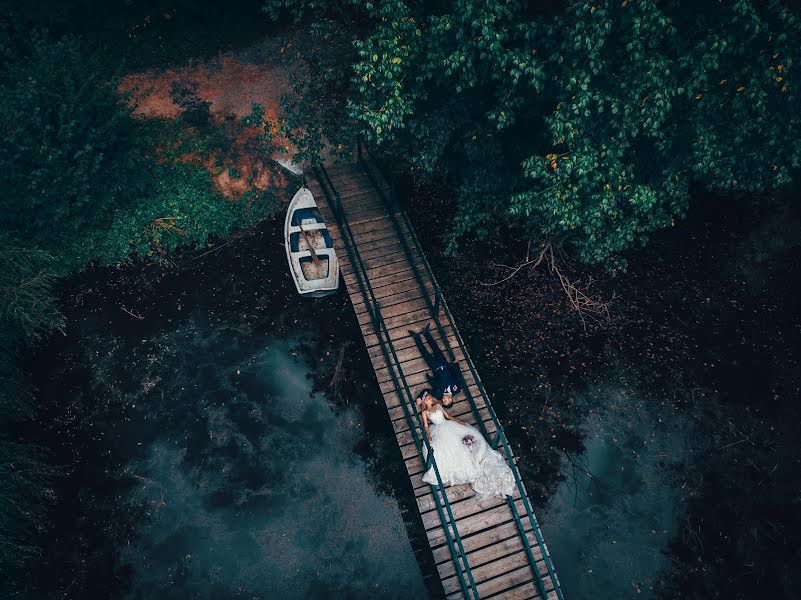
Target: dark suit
[{"x": 445, "y": 375}]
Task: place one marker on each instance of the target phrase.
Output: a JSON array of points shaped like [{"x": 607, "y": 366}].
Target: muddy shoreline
[{"x": 704, "y": 334}]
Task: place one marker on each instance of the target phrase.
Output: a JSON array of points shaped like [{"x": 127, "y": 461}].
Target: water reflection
[
  {"x": 611, "y": 518},
  {"x": 249, "y": 485}
]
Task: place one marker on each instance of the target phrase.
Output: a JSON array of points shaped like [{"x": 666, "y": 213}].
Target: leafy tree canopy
[
  {"x": 588, "y": 127},
  {"x": 68, "y": 161},
  {"x": 82, "y": 181}
]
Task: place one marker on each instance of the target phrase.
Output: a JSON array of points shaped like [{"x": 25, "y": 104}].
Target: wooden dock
[{"x": 495, "y": 549}]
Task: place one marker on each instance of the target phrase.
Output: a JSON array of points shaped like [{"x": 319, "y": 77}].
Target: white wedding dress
[{"x": 464, "y": 456}]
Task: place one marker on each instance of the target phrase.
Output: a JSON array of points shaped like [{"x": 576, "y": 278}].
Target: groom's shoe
[{"x": 414, "y": 334}]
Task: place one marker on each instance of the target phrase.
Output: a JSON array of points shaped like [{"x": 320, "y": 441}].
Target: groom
[{"x": 446, "y": 376}]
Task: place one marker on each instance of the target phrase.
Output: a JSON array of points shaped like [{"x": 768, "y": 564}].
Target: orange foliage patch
[
  {"x": 228, "y": 83},
  {"x": 231, "y": 86}
]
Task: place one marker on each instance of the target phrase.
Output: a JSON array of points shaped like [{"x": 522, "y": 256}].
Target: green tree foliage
[
  {"x": 589, "y": 127},
  {"x": 68, "y": 161},
  {"x": 27, "y": 307},
  {"x": 83, "y": 181},
  {"x": 317, "y": 110},
  {"x": 653, "y": 98},
  {"x": 24, "y": 497},
  {"x": 27, "y": 312}
]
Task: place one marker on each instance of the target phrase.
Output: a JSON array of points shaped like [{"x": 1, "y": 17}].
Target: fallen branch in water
[
  {"x": 148, "y": 483},
  {"x": 582, "y": 301},
  {"x": 733, "y": 443},
  {"x": 213, "y": 250},
  {"x": 579, "y": 296},
  {"x": 536, "y": 262},
  {"x": 133, "y": 314},
  {"x": 336, "y": 378}
]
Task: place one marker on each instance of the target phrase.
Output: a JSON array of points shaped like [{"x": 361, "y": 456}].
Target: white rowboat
[{"x": 309, "y": 247}]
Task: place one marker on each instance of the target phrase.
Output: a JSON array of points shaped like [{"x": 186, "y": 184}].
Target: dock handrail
[
  {"x": 433, "y": 306},
  {"x": 401, "y": 385},
  {"x": 500, "y": 436}
]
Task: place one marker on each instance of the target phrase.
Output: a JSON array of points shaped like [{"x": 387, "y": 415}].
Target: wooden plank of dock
[{"x": 492, "y": 542}]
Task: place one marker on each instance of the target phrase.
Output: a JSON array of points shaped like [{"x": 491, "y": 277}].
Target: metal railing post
[{"x": 497, "y": 439}]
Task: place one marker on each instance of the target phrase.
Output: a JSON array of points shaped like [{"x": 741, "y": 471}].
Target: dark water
[
  {"x": 256, "y": 486},
  {"x": 226, "y": 445},
  {"x": 687, "y": 485},
  {"x": 609, "y": 521}
]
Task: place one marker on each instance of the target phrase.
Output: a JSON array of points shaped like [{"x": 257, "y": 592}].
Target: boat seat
[
  {"x": 294, "y": 239},
  {"x": 307, "y": 258},
  {"x": 321, "y": 254},
  {"x": 309, "y": 226},
  {"x": 306, "y": 216}
]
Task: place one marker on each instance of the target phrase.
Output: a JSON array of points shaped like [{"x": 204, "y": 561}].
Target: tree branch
[
  {"x": 536, "y": 262},
  {"x": 582, "y": 301}
]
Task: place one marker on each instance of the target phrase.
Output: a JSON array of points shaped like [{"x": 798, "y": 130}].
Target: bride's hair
[{"x": 422, "y": 394}]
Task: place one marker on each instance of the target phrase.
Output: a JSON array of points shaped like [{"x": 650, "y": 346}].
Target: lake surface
[
  {"x": 609, "y": 521},
  {"x": 257, "y": 488},
  {"x": 218, "y": 447}
]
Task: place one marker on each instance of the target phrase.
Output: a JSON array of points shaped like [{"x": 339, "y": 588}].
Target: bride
[{"x": 462, "y": 454}]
